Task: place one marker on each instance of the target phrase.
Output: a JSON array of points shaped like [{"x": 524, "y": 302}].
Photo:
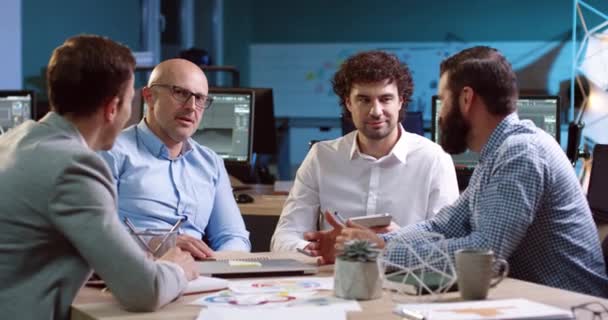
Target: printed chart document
[
  {"x": 286, "y": 285},
  {"x": 301, "y": 297},
  {"x": 487, "y": 309}
]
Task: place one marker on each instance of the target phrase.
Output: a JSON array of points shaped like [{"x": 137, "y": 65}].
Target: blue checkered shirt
[{"x": 525, "y": 203}]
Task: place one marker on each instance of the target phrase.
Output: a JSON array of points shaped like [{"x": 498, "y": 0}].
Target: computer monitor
[
  {"x": 264, "y": 129},
  {"x": 264, "y": 136},
  {"x": 16, "y": 106},
  {"x": 542, "y": 110},
  {"x": 227, "y": 126}
]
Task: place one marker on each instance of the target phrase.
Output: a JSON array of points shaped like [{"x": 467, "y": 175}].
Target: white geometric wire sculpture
[
  {"x": 417, "y": 264},
  {"x": 590, "y": 58},
  {"x": 591, "y": 54}
]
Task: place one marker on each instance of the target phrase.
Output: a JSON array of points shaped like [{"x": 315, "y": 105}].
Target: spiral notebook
[{"x": 261, "y": 266}]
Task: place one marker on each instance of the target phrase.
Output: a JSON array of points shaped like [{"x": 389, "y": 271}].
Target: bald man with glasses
[{"x": 163, "y": 176}]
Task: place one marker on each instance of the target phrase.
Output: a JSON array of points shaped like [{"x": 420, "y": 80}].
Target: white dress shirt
[{"x": 412, "y": 182}]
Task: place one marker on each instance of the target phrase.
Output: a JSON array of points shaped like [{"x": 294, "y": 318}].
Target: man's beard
[{"x": 454, "y": 131}]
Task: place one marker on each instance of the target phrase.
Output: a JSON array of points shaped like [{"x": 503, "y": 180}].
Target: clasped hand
[{"x": 325, "y": 243}]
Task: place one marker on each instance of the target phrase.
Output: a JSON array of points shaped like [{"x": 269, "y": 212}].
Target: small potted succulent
[{"x": 357, "y": 272}]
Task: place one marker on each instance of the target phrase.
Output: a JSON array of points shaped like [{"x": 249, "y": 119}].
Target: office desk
[
  {"x": 266, "y": 202},
  {"x": 263, "y": 205},
  {"x": 261, "y": 216},
  {"x": 91, "y": 303}
]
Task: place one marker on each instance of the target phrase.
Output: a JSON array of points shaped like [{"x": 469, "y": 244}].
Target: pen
[
  {"x": 305, "y": 252},
  {"x": 339, "y": 218},
  {"x": 409, "y": 314}
]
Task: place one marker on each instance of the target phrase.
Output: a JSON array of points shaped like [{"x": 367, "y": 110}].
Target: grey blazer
[{"x": 58, "y": 221}]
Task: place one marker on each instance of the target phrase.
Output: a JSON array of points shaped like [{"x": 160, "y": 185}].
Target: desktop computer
[
  {"x": 240, "y": 127},
  {"x": 16, "y": 106}
]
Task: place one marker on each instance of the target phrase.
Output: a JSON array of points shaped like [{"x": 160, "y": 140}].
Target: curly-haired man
[{"x": 378, "y": 168}]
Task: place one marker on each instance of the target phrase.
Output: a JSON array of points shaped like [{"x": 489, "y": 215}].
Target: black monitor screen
[
  {"x": 227, "y": 125},
  {"x": 15, "y": 108},
  {"x": 264, "y": 129},
  {"x": 542, "y": 110}
]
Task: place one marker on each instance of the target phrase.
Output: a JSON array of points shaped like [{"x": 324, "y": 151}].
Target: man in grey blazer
[{"x": 58, "y": 217}]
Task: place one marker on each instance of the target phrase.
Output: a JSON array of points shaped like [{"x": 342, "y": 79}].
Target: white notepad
[{"x": 204, "y": 284}]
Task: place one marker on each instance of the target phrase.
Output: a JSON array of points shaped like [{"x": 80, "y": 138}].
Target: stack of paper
[
  {"x": 326, "y": 313},
  {"x": 487, "y": 309}
]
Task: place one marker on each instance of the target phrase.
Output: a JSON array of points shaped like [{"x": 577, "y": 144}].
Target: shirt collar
[
  {"x": 398, "y": 152},
  {"x": 57, "y": 121},
  {"x": 500, "y": 133},
  {"x": 156, "y": 146}
]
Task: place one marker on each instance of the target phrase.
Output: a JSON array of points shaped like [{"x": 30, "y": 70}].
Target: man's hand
[
  {"x": 197, "y": 248},
  {"x": 323, "y": 242},
  {"x": 354, "y": 231},
  {"x": 390, "y": 228},
  {"x": 184, "y": 260}
]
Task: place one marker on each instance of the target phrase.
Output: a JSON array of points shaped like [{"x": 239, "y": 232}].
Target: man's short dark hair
[
  {"x": 488, "y": 73},
  {"x": 370, "y": 67},
  {"x": 85, "y": 72}
]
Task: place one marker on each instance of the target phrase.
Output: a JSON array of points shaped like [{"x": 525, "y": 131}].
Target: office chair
[
  {"x": 598, "y": 184},
  {"x": 596, "y": 193}
]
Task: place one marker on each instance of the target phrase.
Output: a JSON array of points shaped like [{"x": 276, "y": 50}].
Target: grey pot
[{"x": 357, "y": 280}]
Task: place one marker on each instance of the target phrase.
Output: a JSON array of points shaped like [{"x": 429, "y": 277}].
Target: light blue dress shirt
[
  {"x": 525, "y": 203},
  {"x": 155, "y": 191}
]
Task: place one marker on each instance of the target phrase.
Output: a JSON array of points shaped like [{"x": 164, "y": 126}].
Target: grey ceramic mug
[{"x": 475, "y": 271}]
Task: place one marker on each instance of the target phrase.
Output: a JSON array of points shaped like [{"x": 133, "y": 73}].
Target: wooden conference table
[{"x": 92, "y": 303}]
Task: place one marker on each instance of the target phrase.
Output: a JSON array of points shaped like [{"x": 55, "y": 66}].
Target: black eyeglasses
[
  {"x": 590, "y": 311},
  {"x": 182, "y": 95}
]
